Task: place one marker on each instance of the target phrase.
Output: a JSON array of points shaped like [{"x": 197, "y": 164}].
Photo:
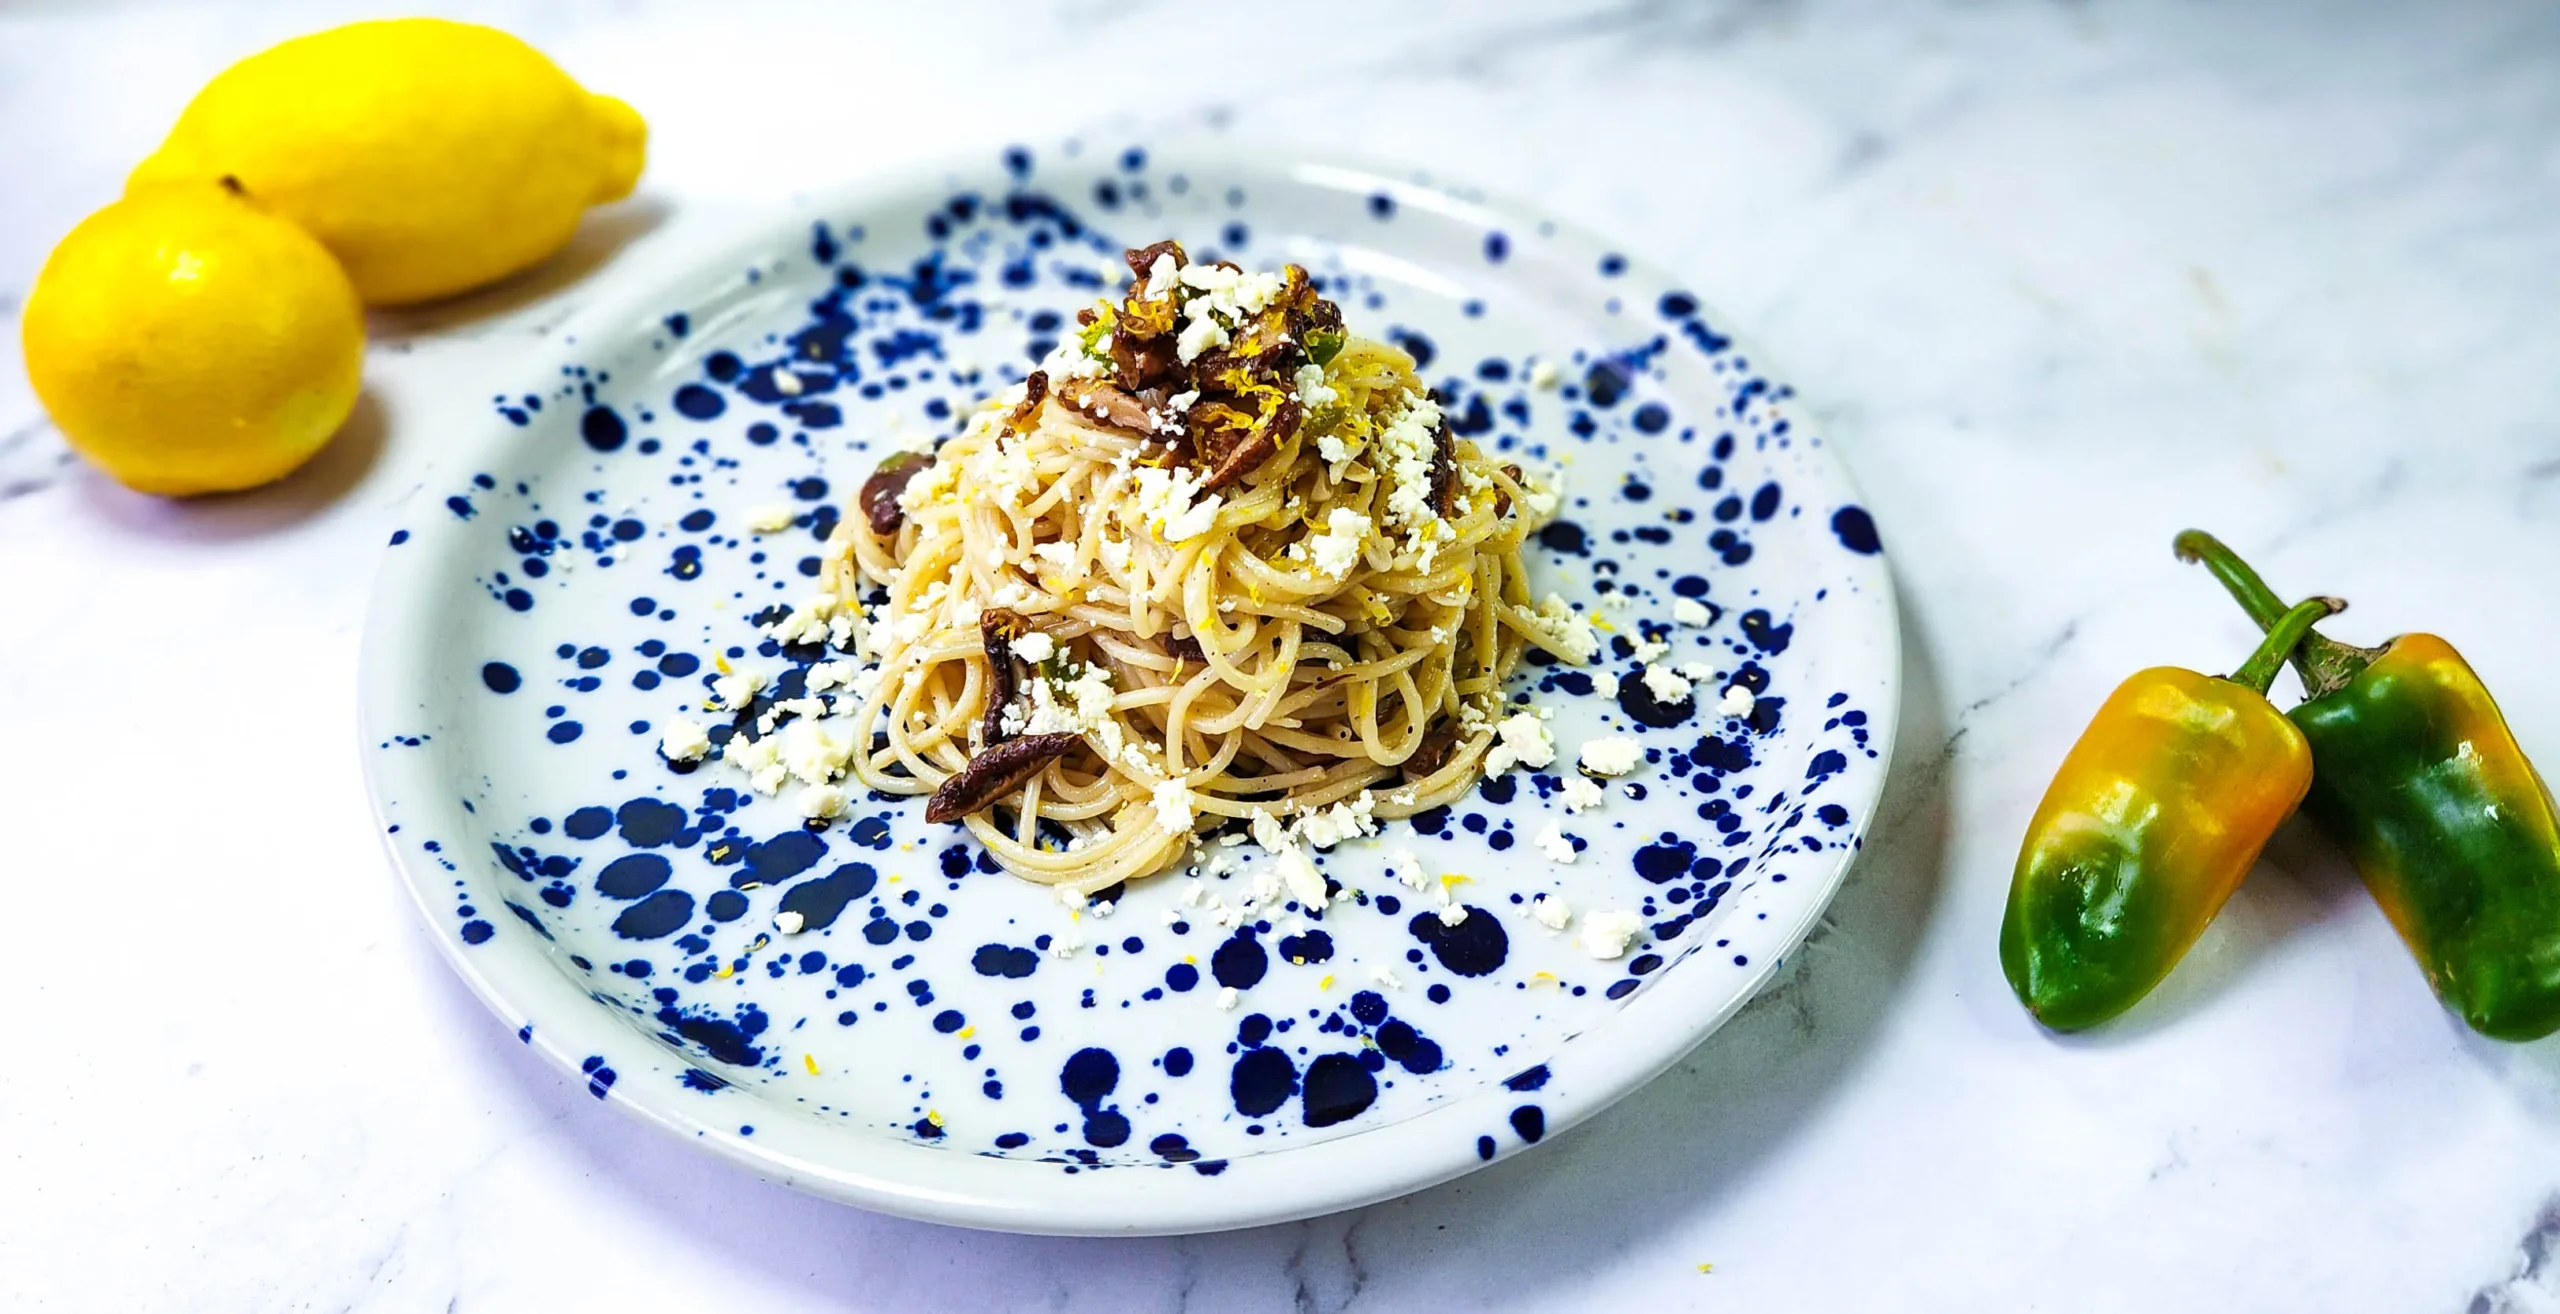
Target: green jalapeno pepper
[
  {"x": 2417, "y": 776},
  {"x": 2156, "y": 814}
]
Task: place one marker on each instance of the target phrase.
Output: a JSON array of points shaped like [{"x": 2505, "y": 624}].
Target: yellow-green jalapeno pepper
[
  {"x": 2417, "y": 776},
  {"x": 2156, "y": 814}
]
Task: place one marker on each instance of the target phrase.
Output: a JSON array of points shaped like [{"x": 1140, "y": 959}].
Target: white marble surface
[{"x": 2058, "y": 280}]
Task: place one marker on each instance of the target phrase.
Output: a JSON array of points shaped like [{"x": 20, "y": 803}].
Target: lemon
[
  {"x": 188, "y": 342},
  {"x": 432, "y": 157}
]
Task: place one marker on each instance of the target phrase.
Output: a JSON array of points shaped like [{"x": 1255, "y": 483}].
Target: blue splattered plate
[{"x": 925, "y": 1042}]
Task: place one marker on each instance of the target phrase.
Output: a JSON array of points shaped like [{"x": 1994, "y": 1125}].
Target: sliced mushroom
[
  {"x": 1247, "y": 456},
  {"x": 1502, "y": 499},
  {"x": 1034, "y": 390},
  {"x": 880, "y": 492},
  {"x": 1444, "y": 472},
  {"x": 997, "y": 629},
  {"x": 1142, "y": 260},
  {"x": 1110, "y": 405},
  {"x": 1433, "y": 752},
  {"x": 994, "y": 773},
  {"x": 1143, "y": 363}
]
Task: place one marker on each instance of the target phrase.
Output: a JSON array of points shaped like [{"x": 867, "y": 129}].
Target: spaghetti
[{"x": 1215, "y": 561}]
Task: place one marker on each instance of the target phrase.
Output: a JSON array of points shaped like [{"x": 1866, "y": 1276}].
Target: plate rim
[{"x": 960, "y": 1187}]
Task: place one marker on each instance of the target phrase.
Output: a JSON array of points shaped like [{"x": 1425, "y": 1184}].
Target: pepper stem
[
  {"x": 2324, "y": 664},
  {"x": 2282, "y": 639}
]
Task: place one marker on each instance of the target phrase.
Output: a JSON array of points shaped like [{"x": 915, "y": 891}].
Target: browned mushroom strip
[
  {"x": 880, "y": 491},
  {"x": 1249, "y": 455},
  {"x": 1144, "y": 363},
  {"x": 1502, "y": 500},
  {"x": 1034, "y": 389},
  {"x": 1107, "y": 403},
  {"x": 997, "y": 629},
  {"x": 1444, "y": 472},
  {"x": 1143, "y": 260},
  {"x": 1433, "y": 752},
  {"x": 995, "y": 773}
]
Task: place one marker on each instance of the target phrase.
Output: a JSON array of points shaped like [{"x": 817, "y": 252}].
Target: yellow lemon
[
  {"x": 187, "y": 342},
  {"x": 431, "y": 157}
]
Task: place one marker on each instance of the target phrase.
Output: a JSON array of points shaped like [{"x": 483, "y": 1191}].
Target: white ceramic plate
[{"x": 924, "y": 1047}]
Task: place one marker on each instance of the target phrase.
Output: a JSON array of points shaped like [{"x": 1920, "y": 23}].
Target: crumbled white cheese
[
  {"x": 1581, "y": 795},
  {"x": 1551, "y": 912},
  {"x": 1168, "y": 502},
  {"x": 750, "y": 754},
  {"x": 760, "y": 760},
  {"x": 787, "y": 382},
  {"x": 821, "y": 801},
  {"x": 1607, "y": 935},
  {"x": 1522, "y": 739},
  {"x": 1312, "y": 389},
  {"x": 1666, "y": 685},
  {"x": 1004, "y": 472},
  {"x": 1541, "y": 499},
  {"x": 1181, "y": 401},
  {"x": 1645, "y": 650},
  {"x": 1737, "y": 701},
  {"x": 735, "y": 690},
  {"x": 1080, "y": 703},
  {"x": 684, "y": 741},
  {"x": 1347, "y": 819},
  {"x": 1611, "y": 755},
  {"x": 815, "y": 751},
  {"x": 1410, "y": 443},
  {"x": 1224, "y": 294},
  {"x": 1162, "y": 277},
  {"x": 1337, "y": 454},
  {"x": 1453, "y": 914},
  {"x": 772, "y": 518},
  {"x": 1337, "y": 549},
  {"x": 1385, "y": 976},
  {"x": 1034, "y": 647},
  {"x": 1545, "y": 375},
  {"x": 1554, "y": 843},
  {"x": 789, "y": 923},
  {"x": 1065, "y": 943},
  {"x": 1227, "y": 997},
  {"x": 1690, "y": 612},
  {"x": 1198, "y": 336},
  {"x": 1564, "y": 630},
  {"x": 787, "y": 708},
  {"x": 1306, "y": 885},
  {"x": 1069, "y": 360},
  {"x": 1176, "y": 807}
]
